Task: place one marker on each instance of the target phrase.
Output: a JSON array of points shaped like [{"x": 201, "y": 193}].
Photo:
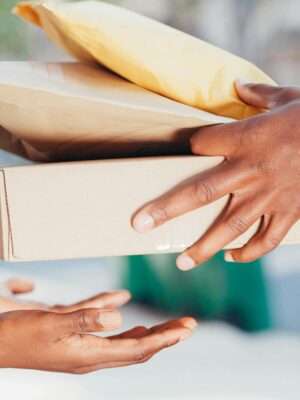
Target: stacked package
[{"x": 138, "y": 89}]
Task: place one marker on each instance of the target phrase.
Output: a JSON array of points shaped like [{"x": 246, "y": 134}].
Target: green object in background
[{"x": 215, "y": 290}]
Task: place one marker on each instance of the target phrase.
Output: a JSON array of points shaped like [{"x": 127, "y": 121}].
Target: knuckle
[
  {"x": 237, "y": 225},
  {"x": 261, "y": 169},
  {"x": 160, "y": 214},
  {"x": 81, "y": 321},
  {"x": 140, "y": 356},
  {"x": 202, "y": 192},
  {"x": 271, "y": 242},
  {"x": 264, "y": 167}
]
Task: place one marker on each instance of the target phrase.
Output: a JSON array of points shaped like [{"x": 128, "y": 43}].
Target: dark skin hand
[
  {"x": 59, "y": 338},
  {"x": 261, "y": 173}
]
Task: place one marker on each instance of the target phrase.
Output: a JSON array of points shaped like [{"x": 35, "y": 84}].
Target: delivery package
[
  {"x": 78, "y": 111},
  {"x": 85, "y": 209},
  {"x": 147, "y": 53},
  {"x": 62, "y": 112}
]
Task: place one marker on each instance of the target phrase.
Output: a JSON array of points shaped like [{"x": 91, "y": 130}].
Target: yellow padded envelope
[{"x": 147, "y": 53}]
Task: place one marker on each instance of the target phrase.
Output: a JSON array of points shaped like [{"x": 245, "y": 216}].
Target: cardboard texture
[
  {"x": 84, "y": 209},
  {"x": 147, "y": 53},
  {"x": 75, "y": 111}
]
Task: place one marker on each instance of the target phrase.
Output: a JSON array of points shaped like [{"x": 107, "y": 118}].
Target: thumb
[
  {"x": 90, "y": 320},
  {"x": 263, "y": 96}
]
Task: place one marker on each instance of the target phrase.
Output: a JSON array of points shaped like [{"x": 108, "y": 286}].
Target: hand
[
  {"x": 261, "y": 171},
  {"x": 61, "y": 340}
]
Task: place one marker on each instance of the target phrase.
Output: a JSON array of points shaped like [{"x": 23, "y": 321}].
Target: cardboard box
[
  {"x": 84, "y": 209},
  {"x": 76, "y": 111}
]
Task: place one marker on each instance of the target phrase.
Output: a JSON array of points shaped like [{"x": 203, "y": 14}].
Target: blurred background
[{"x": 249, "y": 342}]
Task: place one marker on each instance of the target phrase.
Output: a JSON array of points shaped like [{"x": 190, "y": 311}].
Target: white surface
[
  {"x": 218, "y": 362},
  {"x": 26, "y": 385}
]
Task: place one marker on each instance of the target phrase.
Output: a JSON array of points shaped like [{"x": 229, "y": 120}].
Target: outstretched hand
[
  {"x": 59, "y": 338},
  {"x": 261, "y": 172}
]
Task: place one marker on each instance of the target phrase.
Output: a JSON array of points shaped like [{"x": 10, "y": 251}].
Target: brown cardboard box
[
  {"x": 76, "y": 111},
  {"x": 84, "y": 209}
]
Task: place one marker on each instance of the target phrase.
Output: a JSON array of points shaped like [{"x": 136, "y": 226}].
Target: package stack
[{"x": 138, "y": 89}]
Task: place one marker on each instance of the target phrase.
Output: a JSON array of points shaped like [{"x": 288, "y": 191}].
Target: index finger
[{"x": 196, "y": 192}]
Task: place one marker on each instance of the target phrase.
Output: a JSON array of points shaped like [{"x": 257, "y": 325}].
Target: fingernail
[
  {"x": 143, "y": 223},
  {"x": 109, "y": 319},
  {"x": 228, "y": 257},
  {"x": 189, "y": 322},
  {"x": 192, "y": 324},
  {"x": 120, "y": 297},
  {"x": 124, "y": 294},
  {"x": 185, "y": 336},
  {"x": 243, "y": 81},
  {"x": 185, "y": 262}
]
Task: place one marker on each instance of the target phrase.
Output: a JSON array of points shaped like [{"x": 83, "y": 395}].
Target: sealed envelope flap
[
  {"x": 64, "y": 111},
  {"x": 148, "y": 53},
  {"x": 78, "y": 210}
]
